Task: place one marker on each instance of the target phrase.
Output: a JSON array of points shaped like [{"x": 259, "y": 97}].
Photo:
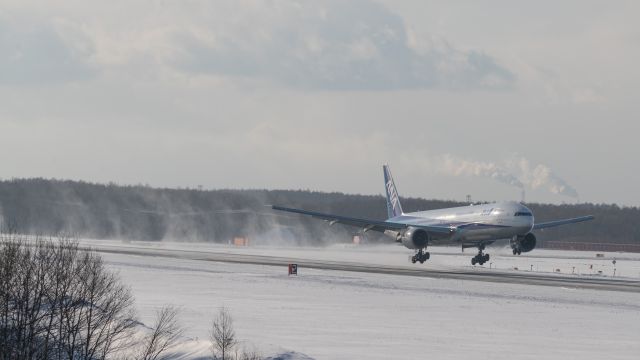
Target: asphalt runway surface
[{"x": 477, "y": 274}]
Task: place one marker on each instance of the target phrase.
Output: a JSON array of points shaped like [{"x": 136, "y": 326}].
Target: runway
[{"x": 472, "y": 274}]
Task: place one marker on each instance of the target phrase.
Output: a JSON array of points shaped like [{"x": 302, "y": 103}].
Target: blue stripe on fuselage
[{"x": 414, "y": 220}]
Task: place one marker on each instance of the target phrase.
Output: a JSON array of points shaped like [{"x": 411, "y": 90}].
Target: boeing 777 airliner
[{"x": 473, "y": 226}]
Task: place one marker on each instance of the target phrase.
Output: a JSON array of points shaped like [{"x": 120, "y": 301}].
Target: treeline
[{"x": 43, "y": 206}]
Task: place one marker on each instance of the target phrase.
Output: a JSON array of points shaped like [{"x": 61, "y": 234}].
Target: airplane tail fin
[{"x": 393, "y": 201}]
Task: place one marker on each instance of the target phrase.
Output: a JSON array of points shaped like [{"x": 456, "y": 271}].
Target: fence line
[{"x": 562, "y": 245}]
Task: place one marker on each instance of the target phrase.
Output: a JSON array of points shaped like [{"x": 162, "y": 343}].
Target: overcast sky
[{"x": 480, "y": 98}]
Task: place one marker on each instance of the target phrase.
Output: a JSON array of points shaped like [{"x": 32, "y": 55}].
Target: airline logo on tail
[
  {"x": 393, "y": 194},
  {"x": 393, "y": 201}
]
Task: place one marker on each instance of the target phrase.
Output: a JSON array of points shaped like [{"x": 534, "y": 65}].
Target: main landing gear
[
  {"x": 420, "y": 256},
  {"x": 480, "y": 258},
  {"x": 517, "y": 251}
]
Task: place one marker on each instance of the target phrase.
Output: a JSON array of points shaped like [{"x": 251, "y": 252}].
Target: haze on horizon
[{"x": 459, "y": 98}]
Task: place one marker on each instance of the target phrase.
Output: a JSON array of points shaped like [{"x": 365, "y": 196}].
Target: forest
[{"x": 112, "y": 211}]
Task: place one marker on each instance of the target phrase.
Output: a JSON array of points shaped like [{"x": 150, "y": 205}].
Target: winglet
[{"x": 393, "y": 201}]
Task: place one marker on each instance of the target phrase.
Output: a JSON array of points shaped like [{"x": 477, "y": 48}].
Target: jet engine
[
  {"x": 414, "y": 238},
  {"x": 524, "y": 243}
]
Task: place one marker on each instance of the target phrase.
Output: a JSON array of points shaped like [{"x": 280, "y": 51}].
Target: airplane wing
[
  {"x": 549, "y": 224},
  {"x": 367, "y": 224}
]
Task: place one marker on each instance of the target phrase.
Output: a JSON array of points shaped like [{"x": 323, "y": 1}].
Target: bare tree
[
  {"x": 59, "y": 302},
  {"x": 165, "y": 333},
  {"x": 249, "y": 354},
  {"x": 222, "y": 335}
]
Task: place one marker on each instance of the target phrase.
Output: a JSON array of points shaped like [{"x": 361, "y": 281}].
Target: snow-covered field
[
  {"x": 583, "y": 263},
  {"x": 345, "y": 315}
]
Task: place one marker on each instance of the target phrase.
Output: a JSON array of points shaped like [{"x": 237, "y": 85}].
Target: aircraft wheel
[
  {"x": 515, "y": 252},
  {"x": 486, "y": 258},
  {"x": 413, "y": 259},
  {"x": 473, "y": 261},
  {"x": 427, "y": 256}
]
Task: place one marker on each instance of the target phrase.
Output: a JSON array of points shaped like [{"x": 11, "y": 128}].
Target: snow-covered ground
[
  {"x": 345, "y": 315},
  {"x": 585, "y": 263}
]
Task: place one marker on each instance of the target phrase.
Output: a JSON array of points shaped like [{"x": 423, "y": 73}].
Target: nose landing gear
[
  {"x": 420, "y": 256},
  {"x": 480, "y": 258}
]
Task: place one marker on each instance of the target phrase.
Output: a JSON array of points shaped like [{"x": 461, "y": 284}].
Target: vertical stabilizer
[{"x": 393, "y": 201}]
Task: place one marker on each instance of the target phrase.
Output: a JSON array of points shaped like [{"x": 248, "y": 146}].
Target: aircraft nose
[
  {"x": 527, "y": 221},
  {"x": 530, "y": 220}
]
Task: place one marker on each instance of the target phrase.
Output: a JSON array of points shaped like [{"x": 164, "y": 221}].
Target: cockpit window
[{"x": 523, "y": 213}]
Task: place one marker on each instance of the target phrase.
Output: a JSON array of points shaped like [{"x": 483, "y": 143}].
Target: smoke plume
[
  {"x": 516, "y": 171},
  {"x": 453, "y": 166},
  {"x": 541, "y": 176}
]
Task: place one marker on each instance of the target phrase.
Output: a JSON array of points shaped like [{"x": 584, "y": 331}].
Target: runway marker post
[{"x": 293, "y": 269}]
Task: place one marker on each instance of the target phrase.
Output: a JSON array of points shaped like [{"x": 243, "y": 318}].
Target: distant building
[{"x": 241, "y": 241}]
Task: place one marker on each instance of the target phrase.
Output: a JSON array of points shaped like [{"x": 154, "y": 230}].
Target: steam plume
[
  {"x": 541, "y": 176},
  {"x": 517, "y": 171},
  {"x": 453, "y": 166}
]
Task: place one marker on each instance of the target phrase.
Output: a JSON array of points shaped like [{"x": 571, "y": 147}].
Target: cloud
[
  {"x": 305, "y": 44},
  {"x": 331, "y": 45},
  {"x": 38, "y": 52}
]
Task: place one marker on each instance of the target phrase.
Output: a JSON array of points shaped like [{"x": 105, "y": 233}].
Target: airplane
[{"x": 473, "y": 226}]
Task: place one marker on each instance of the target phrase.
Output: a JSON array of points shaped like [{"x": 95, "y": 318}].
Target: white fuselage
[{"x": 475, "y": 223}]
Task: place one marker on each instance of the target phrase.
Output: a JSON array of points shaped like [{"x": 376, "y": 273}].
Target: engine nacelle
[
  {"x": 414, "y": 238},
  {"x": 524, "y": 243}
]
